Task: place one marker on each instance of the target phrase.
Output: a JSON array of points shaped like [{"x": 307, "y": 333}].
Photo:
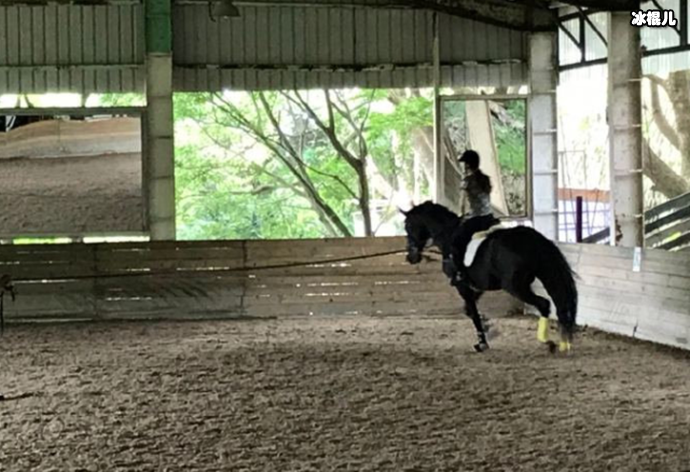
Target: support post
[
  {"x": 159, "y": 128},
  {"x": 578, "y": 219},
  {"x": 543, "y": 125},
  {"x": 438, "y": 185},
  {"x": 625, "y": 131}
]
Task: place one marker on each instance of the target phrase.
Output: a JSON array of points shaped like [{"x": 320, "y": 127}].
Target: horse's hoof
[
  {"x": 481, "y": 347},
  {"x": 552, "y": 347}
]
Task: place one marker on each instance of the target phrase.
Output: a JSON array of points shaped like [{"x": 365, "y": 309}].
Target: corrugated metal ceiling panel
[{"x": 71, "y": 48}]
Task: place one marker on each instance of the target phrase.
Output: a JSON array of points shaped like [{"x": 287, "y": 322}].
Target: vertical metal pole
[
  {"x": 438, "y": 190},
  {"x": 578, "y": 219}
]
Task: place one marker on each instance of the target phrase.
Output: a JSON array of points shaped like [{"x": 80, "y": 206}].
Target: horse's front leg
[{"x": 470, "y": 297}]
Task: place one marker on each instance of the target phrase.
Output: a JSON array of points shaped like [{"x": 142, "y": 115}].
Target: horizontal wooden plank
[
  {"x": 668, "y": 326},
  {"x": 320, "y": 252},
  {"x": 50, "y": 305},
  {"x": 647, "y": 278},
  {"x": 213, "y": 254},
  {"x": 166, "y": 267},
  {"x": 34, "y": 250},
  {"x": 365, "y": 284},
  {"x": 32, "y": 289},
  {"x": 664, "y": 337},
  {"x": 176, "y": 314},
  {"x": 598, "y": 296},
  {"x": 168, "y": 244},
  {"x": 610, "y": 327},
  {"x": 46, "y": 259},
  {"x": 387, "y": 279},
  {"x": 677, "y": 268},
  {"x": 106, "y": 309},
  {"x": 655, "y": 255},
  {"x": 349, "y": 309},
  {"x": 624, "y": 287}
]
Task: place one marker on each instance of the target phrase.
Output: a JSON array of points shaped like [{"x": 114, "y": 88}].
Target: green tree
[{"x": 291, "y": 164}]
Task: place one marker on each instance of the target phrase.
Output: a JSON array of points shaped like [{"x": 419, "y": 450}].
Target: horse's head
[
  {"x": 6, "y": 285},
  {"x": 417, "y": 236},
  {"x": 428, "y": 221}
]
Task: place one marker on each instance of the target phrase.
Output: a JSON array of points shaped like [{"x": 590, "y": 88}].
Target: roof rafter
[{"x": 606, "y": 5}]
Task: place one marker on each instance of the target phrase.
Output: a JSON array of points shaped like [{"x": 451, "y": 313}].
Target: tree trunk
[
  {"x": 364, "y": 204},
  {"x": 423, "y": 143},
  {"x": 664, "y": 179},
  {"x": 678, "y": 88}
]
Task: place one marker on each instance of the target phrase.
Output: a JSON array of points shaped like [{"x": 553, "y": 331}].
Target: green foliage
[
  {"x": 119, "y": 100},
  {"x": 510, "y": 139},
  {"x": 397, "y": 126},
  {"x": 235, "y": 167}
]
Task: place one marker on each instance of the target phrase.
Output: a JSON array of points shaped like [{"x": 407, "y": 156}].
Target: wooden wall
[
  {"x": 101, "y": 281},
  {"x": 652, "y": 304},
  {"x": 244, "y": 278}
]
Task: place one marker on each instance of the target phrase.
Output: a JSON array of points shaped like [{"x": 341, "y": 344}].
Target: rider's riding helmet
[{"x": 471, "y": 158}]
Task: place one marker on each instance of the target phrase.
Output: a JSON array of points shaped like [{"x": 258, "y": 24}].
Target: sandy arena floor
[
  {"x": 325, "y": 394},
  {"x": 71, "y": 195}
]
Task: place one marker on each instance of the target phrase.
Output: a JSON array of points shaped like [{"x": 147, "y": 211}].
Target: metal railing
[{"x": 666, "y": 226}]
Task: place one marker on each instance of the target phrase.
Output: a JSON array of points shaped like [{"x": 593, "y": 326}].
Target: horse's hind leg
[
  {"x": 523, "y": 291},
  {"x": 470, "y": 297},
  {"x": 566, "y": 338}
]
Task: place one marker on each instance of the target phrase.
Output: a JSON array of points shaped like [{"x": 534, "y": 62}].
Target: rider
[{"x": 477, "y": 186}]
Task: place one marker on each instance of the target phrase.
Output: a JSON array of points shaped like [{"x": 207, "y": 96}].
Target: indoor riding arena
[{"x": 206, "y": 240}]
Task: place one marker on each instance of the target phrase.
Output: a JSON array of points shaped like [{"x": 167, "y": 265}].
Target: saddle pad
[
  {"x": 477, "y": 239},
  {"x": 484, "y": 234},
  {"x": 472, "y": 250}
]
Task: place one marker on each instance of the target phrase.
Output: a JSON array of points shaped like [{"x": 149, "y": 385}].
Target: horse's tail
[{"x": 558, "y": 279}]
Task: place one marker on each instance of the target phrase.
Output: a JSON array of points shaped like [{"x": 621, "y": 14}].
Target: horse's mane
[{"x": 433, "y": 210}]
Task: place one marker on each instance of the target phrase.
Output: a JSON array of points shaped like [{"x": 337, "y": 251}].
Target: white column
[
  {"x": 160, "y": 148},
  {"x": 625, "y": 131},
  {"x": 543, "y": 78}
]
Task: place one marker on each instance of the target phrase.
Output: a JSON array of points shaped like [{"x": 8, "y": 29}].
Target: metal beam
[
  {"x": 522, "y": 15},
  {"x": 594, "y": 27},
  {"x": 606, "y": 5},
  {"x": 682, "y": 31},
  {"x": 70, "y": 2}
]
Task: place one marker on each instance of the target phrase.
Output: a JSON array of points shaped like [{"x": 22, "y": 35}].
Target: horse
[{"x": 507, "y": 259}]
